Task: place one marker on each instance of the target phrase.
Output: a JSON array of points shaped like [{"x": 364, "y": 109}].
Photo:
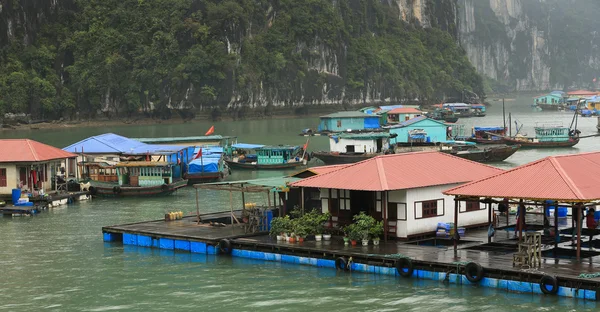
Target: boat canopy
[
  {"x": 210, "y": 152},
  {"x": 489, "y": 128},
  {"x": 204, "y": 164},
  {"x": 110, "y": 143},
  {"x": 247, "y": 146}
]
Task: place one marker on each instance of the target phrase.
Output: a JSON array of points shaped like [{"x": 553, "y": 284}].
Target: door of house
[{"x": 362, "y": 201}]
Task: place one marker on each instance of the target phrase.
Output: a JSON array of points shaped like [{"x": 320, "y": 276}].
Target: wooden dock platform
[
  {"x": 433, "y": 258},
  {"x": 19, "y": 210}
]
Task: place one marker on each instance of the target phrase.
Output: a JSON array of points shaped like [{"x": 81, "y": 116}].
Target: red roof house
[
  {"x": 402, "y": 114},
  {"x": 582, "y": 93},
  {"x": 29, "y": 165},
  {"x": 404, "y": 190}
]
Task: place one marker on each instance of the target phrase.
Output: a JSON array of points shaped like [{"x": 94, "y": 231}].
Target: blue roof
[
  {"x": 110, "y": 143},
  {"x": 247, "y": 146},
  {"x": 210, "y": 152},
  {"x": 489, "y": 128},
  {"x": 390, "y": 107}
]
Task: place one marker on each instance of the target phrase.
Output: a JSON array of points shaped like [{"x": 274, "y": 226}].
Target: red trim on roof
[
  {"x": 401, "y": 171},
  {"x": 571, "y": 178},
  {"x": 582, "y": 92},
  {"x": 25, "y": 150}
]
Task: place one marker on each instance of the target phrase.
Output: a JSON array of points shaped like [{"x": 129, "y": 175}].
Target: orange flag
[{"x": 210, "y": 131}]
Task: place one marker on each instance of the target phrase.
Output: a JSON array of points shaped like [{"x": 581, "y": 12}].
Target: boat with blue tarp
[
  {"x": 478, "y": 110},
  {"x": 258, "y": 156},
  {"x": 207, "y": 166},
  {"x": 488, "y": 135}
]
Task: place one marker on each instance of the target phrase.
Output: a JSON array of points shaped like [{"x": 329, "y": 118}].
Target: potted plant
[
  {"x": 279, "y": 225},
  {"x": 302, "y": 229},
  {"x": 354, "y": 234},
  {"x": 376, "y": 232},
  {"x": 363, "y": 223},
  {"x": 326, "y": 234}
]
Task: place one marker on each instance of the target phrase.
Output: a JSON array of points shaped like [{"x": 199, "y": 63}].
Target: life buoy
[
  {"x": 549, "y": 285},
  {"x": 342, "y": 264},
  {"x": 93, "y": 190},
  {"x": 117, "y": 190},
  {"x": 225, "y": 246},
  {"x": 474, "y": 272},
  {"x": 404, "y": 267},
  {"x": 164, "y": 187}
]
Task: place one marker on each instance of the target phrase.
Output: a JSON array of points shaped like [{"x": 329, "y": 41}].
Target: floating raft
[
  {"x": 19, "y": 210},
  {"x": 432, "y": 259}
]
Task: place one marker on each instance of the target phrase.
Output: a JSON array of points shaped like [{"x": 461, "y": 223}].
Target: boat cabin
[
  {"x": 99, "y": 171},
  {"x": 459, "y": 109},
  {"x": 373, "y": 142},
  {"x": 144, "y": 173},
  {"x": 265, "y": 154},
  {"x": 549, "y": 133}
]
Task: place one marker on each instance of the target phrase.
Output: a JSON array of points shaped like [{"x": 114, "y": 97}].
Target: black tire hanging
[
  {"x": 93, "y": 190},
  {"x": 225, "y": 246},
  {"x": 404, "y": 267},
  {"x": 474, "y": 272},
  {"x": 117, "y": 190},
  {"x": 549, "y": 285},
  {"x": 164, "y": 187},
  {"x": 341, "y": 264}
]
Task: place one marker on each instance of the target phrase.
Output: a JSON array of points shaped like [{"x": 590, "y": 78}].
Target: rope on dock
[{"x": 589, "y": 275}]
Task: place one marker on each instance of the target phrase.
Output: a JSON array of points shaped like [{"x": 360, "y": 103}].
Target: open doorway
[{"x": 362, "y": 201}]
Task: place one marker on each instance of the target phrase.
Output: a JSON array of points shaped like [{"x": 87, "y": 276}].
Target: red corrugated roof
[
  {"x": 582, "y": 92},
  {"x": 25, "y": 150},
  {"x": 571, "y": 178},
  {"x": 404, "y": 110},
  {"x": 326, "y": 169},
  {"x": 401, "y": 171}
]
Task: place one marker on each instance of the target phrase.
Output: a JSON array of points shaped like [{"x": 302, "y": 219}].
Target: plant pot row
[
  {"x": 365, "y": 242},
  {"x": 300, "y": 239}
]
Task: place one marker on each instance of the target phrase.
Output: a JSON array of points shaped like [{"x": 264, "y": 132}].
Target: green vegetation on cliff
[{"x": 124, "y": 56}]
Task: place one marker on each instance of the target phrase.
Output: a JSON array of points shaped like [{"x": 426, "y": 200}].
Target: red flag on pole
[
  {"x": 210, "y": 131},
  {"x": 199, "y": 154}
]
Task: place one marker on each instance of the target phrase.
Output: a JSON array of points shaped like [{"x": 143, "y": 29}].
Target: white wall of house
[
  {"x": 370, "y": 146},
  {"x": 11, "y": 178},
  {"x": 410, "y": 220}
]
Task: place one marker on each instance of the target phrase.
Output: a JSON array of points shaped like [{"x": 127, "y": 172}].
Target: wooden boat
[
  {"x": 278, "y": 157},
  {"x": 208, "y": 165},
  {"x": 348, "y": 148},
  {"x": 139, "y": 178},
  {"x": 478, "y": 110},
  {"x": 461, "y": 110},
  {"x": 466, "y": 150},
  {"x": 488, "y": 135},
  {"x": 547, "y": 137},
  {"x": 446, "y": 115}
]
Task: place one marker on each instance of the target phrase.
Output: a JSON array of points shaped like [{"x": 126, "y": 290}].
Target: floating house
[
  {"x": 32, "y": 166},
  {"x": 402, "y": 190},
  {"x": 347, "y": 148},
  {"x": 430, "y": 130},
  {"x": 460, "y": 110},
  {"x": 112, "y": 148},
  {"x": 552, "y": 101},
  {"x": 403, "y": 114},
  {"x": 582, "y": 93},
  {"x": 348, "y": 120}
]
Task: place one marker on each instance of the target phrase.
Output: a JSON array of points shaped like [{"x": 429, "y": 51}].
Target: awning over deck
[{"x": 567, "y": 178}]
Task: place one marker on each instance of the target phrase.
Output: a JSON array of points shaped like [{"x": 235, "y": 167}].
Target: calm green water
[{"x": 57, "y": 261}]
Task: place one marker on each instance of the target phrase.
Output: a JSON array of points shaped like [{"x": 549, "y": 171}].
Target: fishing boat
[
  {"x": 256, "y": 156},
  {"x": 461, "y": 110},
  {"x": 348, "y": 148},
  {"x": 208, "y": 165},
  {"x": 547, "y": 137},
  {"x": 135, "y": 178},
  {"x": 462, "y": 149},
  {"x": 444, "y": 114},
  {"x": 488, "y": 135},
  {"x": 478, "y": 110}
]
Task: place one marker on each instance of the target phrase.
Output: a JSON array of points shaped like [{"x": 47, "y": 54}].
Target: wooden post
[
  {"x": 579, "y": 206},
  {"x": 197, "y": 208},
  {"x": 489, "y": 207},
  {"x": 384, "y": 204},
  {"x": 231, "y": 206},
  {"x": 302, "y": 202},
  {"x": 556, "y": 234},
  {"x": 455, "y": 222}
]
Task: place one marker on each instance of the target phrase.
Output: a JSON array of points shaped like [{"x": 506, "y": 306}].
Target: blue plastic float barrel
[{"x": 16, "y": 194}]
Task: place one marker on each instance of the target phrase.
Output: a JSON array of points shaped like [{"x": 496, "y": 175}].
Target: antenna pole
[
  {"x": 509, "y": 125},
  {"x": 504, "y": 116}
]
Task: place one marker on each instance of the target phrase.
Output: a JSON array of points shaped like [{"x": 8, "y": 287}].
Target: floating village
[{"x": 402, "y": 191}]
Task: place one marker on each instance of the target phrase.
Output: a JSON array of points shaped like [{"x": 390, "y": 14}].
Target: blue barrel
[
  {"x": 597, "y": 215},
  {"x": 562, "y": 212},
  {"x": 16, "y": 194}
]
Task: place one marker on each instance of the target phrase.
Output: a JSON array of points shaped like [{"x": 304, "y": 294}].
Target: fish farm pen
[{"x": 475, "y": 261}]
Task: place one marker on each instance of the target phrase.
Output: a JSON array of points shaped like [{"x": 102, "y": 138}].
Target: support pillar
[
  {"x": 384, "y": 208},
  {"x": 455, "y": 222},
  {"x": 489, "y": 207},
  {"x": 579, "y": 207}
]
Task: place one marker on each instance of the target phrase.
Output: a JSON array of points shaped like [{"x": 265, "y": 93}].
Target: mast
[
  {"x": 509, "y": 125},
  {"x": 504, "y": 116}
]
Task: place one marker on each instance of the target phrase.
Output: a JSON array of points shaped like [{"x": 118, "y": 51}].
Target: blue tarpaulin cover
[
  {"x": 110, "y": 143},
  {"x": 204, "y": 164},
  {"x": 210, "y": 152},
  {"x": 371, "y": 123},
  {"x": 247, "y": 146},
  {"x": 489, "y": 128}
]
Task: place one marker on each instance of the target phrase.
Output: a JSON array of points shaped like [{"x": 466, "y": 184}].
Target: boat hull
[
  {"x": 529, "y": 143},
  {"x": 339, "y": 159},
  {"x": 486, "y": 141},
  {"x": 290, "y": 165},
  {"x": 113, "y": 190},
  {"x": 204, "y": 177},
  {"x": 549, "y": 107},
  {"x": 488, "y": 154}
]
